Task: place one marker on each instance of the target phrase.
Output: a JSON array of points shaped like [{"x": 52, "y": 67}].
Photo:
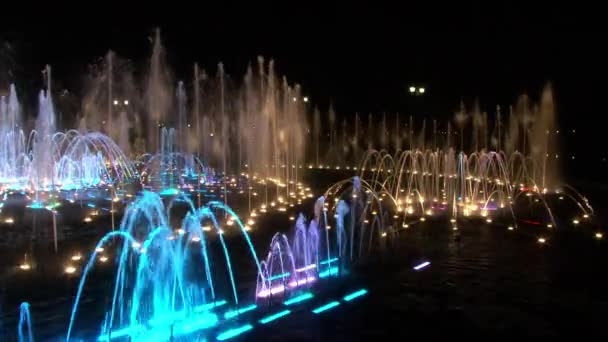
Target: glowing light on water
[
  {"x": 324, "y": 262},
  {"x": 326, "y": 307},
  {"x": 274, "y": 317},
  {"x": 9, "y": 220},
  {"x": 76, "y": 257},
  {"x": 541, "y": 240},
  {"x": 355, "y": 294},
  {"x": 575, "y": 221},
  {"x": 99, "y": 249},
  {"x": 103, "y": 258},
  {"x": 299, "y": 299},
  {"x": 70, "y": 269},
  {"x": 599, "y": 235},
  {"x": 234, "y": 332},
  {"x": 329, "y": 272},
  {"x": 88, "y": 219},
  {"x": 421, "y": 266},
  {"x": 25, "y": 266},
  {"x": 234, "y": 313}
]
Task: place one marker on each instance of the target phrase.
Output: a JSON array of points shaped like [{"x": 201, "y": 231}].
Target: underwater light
[
  {"x": 274, "y": 317},
  {"x": 325, "y": 307},
  {"x": 234, "y": 313},
  {"x": 234, "y": 332},
  {"x": 298, "y": 299},
  {"x": 355, "y": 294}
]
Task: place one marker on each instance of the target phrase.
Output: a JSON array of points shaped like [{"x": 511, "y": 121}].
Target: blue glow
[
  {"x": 326, "y": 307},
  {"x": 273, "y": 317},
  {"x": 234, "y": 313},
  {"x": 36, "y": 205},
  {"x": 234, "y": 332},
  {"x": 299, "y": 299},
  {"x": 279, "y": 276},
  {"x": 328, "y": 272},
  {"x": 355, "y": 294},
  {"x": 169, "y": 192},
  {"x": 421, "y": 266},
  {"x": 209, "y": 306},
  {"x": 121, "y": 333},
  {"x": 90, "y": 205},
  {"x": 328, "y": 261}
]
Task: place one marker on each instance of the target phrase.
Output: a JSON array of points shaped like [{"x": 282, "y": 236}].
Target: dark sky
[{"x": 360, "y": 56}]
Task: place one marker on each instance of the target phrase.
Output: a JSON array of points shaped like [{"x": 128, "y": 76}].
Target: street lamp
[
  {"x": 421, "y": 90},
  {"x": 412, "y": 90}
]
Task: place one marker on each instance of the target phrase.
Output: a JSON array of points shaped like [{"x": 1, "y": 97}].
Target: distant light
[
  {"x": 541, "y": 240},
  {"x": 116, "y": 102},
  {"x": 421, "y": 90},
  {"x": 126, "y": 102},
  {"x": 103, "y": 258},
  {"x": 510, "y": 227},
  {"x": 295, "y": 99},
  {"x": 412, "y": 89},
  {"x": 70, "y": 269},
  {"x": 421, "y": 266},
  {"x": 599, "y": 235},
  {"x": 76, "y": 257},
  {"x": 9, "y": 220},
  {"x": 305, "y": 98},
  {"x": 27, "y": 267},
  {"x": 99, "y": 249}
]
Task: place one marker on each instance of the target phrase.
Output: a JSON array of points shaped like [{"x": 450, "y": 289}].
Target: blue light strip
[
  {"x": 326, "y": 307},
  {"x": 273, "y": 317},
  {"x": 234, "y": 313},
  {"x": 355, "y": 294},
  {"x": 329, "y": 272},
  {"x": 279, "y": 276},
  {"x": 299, "y": 299},
  {"x": 328, "y": 261},
  {"x": 234, "y": 332}
]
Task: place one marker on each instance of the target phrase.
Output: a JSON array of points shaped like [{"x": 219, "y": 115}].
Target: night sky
[{"x": 361, "y": 57}]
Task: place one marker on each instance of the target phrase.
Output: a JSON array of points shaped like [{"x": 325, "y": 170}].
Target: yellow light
[
  {"x": 116, "y": 199},
  {"x": 70, "y": 269},
  {"x": 383, "y": 234},
  {"x": 510, "y": 228},
  {"x": 575, "y": 221},
  {"x": 25, "y": 266},
  {"x": 429, "y": 212},
  {"x": 454, "y": 228},
  {"x": 88, "y": 219},
  {"x": 291, "y": 218},
  {"x": 599, "y": 235},
  {"x": 99, "y": 249},
  {"x": 247, "y": 228},
  {"x": 405, "y": 225},
  {"x": 221, "y": 231},
  {"x": 422, "y": 219},
  {"x": 206, "y": 228},
  {"x": 230, "y": 222},
  {"x": 586, "y": 216},
  {"x": 453, "y": 220},
  {"x": 76, "y": 257},
  {"x": 489, "y": 220},
  {"x": 541, "y": 240},
  {"x": 549, "y": 225},
  {"x": 9, "y": 220},
  {"x": 103, "y": 258},
  {"x": 328, "y": 227},
  {"x": 412, "y": 89},
  {"x": 421, "y": 90}
]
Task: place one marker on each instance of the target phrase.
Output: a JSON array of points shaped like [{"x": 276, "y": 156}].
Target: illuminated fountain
[{"x": 48, "y": 160}]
